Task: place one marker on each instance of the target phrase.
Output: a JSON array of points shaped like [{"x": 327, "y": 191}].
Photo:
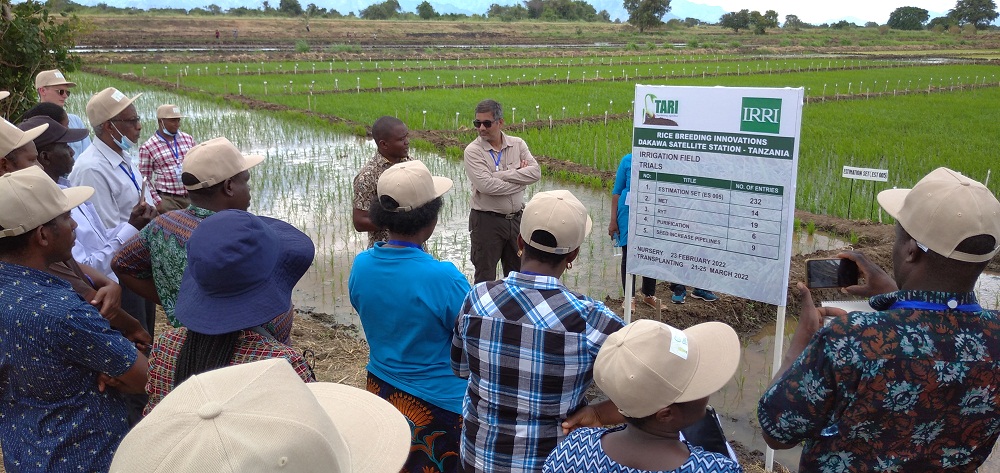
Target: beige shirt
[{"x": 500, "y": 187}]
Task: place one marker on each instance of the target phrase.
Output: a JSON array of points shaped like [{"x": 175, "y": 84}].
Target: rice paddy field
[{"x": 908, "y": 114}]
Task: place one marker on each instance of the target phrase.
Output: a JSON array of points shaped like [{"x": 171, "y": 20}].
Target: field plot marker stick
[
  {"x": 849, "y": 199},
  {"x": 628, "y": 297}
]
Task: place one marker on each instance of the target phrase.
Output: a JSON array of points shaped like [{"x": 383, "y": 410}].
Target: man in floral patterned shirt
[{"x": 915, "y": 385}]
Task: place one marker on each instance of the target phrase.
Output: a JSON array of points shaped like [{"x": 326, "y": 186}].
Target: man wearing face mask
[
  {"x": 106, "y": 165},
  {"x": 160, "y": 159}
]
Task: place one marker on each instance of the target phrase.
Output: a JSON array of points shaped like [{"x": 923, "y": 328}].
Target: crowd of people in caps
[{"x": 491, "y": 376}]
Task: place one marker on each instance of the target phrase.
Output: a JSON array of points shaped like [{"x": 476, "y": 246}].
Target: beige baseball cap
[
  {"x": 30, "y": 198},
  {"x": 560, "y": 213},
  {"x": 107, "y": 104},
  {"x": 51, "y": 78},
  {"x": 943, "y": 209},
  {"x": 261, "y": 417},
  {"x": 649, "y": 365},
  {"x": 12, "y": 137},
  {"x": 216, "y": 160},
  {"x": 411, "y": 185},
  {"x": 168, "y": 111},
  {"x": 4, "y": 94}
]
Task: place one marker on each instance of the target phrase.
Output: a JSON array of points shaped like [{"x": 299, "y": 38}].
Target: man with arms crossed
[
  {"x": 59, "y": 355},
  {"x": 499, "y": 167},
  {"x": 914, "y": 385}
]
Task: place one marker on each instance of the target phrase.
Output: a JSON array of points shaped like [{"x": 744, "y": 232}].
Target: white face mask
[{"x": 163, "y": 130}]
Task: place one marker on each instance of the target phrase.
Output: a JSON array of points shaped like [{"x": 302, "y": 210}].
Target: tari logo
[
  {"x": 761, "y": 115},
  {"x": 660, "y": 112}
]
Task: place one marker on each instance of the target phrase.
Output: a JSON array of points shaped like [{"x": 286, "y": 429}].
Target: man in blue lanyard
[
  {"x": 161, "y": 157},
  {"x": 912, "y": 385},
  {"x": 499, "y": 167},
  {"x": 107, "y": 166}
]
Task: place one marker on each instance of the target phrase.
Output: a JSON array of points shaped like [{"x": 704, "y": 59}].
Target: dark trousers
[
  {"x": 648, "y": 284},
  {"x": 494, "y": 239},
  {"x": 145, "y": 312}
]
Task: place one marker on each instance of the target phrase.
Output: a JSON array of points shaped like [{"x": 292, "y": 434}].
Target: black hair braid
[{"x": 200, "y": 353}]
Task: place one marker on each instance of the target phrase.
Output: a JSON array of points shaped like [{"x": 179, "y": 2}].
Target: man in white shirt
[
  {"x": 95, "y": 244},
  {"x": 106, "y": 167},
  {"x": 53, "y": 87}
]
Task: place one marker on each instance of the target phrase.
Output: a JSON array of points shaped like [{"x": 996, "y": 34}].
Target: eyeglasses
[
  {"x": 133, "y": 121},
  {"x": 485, "y": 123},
  {"x": 63, "y": 92}
]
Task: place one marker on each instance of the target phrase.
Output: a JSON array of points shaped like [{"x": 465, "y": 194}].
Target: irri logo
[{"x": 761, "y": 115}]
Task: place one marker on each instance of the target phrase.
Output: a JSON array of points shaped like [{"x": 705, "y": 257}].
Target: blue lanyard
[
  {"x": 176, "y": 152},
  {"x": 407, "y": 244},
  {"x": 131, "y": 175},
  {"x": 920, "y": 305},
  {"x": 496, "y": 159}
]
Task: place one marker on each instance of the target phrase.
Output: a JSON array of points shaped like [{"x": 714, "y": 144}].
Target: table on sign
[{"x": 736, "y": 216}]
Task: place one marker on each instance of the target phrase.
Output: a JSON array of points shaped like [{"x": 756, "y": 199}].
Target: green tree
[
  {"x": 941, "y": 23},
  {"x": 214, "y": 9},
  {"x": 793, "y": 22},
  {"x": 645, "y": 13},
  {"x": 426, "y": 10},
  {"x": 381, "y": 11},
  {"x": 33, "y": 41},
  {"x": 761, "y": 23},
  {"x": 908, "y": 18},
  {"x": 976, "y": 12},
  {"x": 290, "y": 7},
  {"x": 736, "y": 21}
]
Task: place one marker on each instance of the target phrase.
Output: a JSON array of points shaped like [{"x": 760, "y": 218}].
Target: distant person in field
[
  {"x": 161, "y": 157},
  {"x": 53, "y": 87},
  {"x": 912, "y": 385},
  {"x": 392, "y": 145},
  {"x": 409, "y": 321},
  {"x": 499, "y": 167}
]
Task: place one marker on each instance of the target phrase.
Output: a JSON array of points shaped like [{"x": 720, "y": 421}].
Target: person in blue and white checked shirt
[{"x": 528, "y": 344}]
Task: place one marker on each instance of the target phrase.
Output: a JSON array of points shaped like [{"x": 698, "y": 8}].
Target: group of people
[{"x": 484, "y": 377}]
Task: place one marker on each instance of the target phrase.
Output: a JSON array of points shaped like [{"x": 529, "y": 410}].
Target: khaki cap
[
  {"x": 649, "y": 365},
  {"x": 943, "y": 209},
  {"x": 30, "y": 198},
  {"x": 560, "y": 213},
  {"x": 216, "y": 160},
  {"x": 260, "y": 416},
  {"x": 12, "y": 137},
  {"x": 411, "y": 185},
  {"x": 168, "y": 111},
  {"x": 106, "y": 105},
  {"x": 51, "y": 78}
]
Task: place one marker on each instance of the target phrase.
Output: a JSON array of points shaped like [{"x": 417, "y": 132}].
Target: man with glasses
[
  {"x": 499, "y": 167},
  {"x": 53, "y": 87},
  {"x": 106, "y": 167}
]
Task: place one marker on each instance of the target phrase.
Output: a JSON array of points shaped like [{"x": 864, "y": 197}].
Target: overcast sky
[{"x": 818, "y": 11}]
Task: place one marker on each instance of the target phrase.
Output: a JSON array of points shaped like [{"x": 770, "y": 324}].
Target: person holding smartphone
[{"x": 912, "y": 386}]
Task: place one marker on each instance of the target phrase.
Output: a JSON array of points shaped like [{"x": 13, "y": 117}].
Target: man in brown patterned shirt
[{"x": 393, "y": 143}]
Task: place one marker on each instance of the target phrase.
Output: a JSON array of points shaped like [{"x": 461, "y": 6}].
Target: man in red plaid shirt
[{"x": 160, "y": 159}]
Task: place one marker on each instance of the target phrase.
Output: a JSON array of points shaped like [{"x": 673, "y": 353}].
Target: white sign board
[
  {"x": 713, "y": 187},
  {"x": 866, "y": 174}
]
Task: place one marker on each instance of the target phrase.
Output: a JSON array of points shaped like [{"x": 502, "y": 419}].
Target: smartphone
[{"x": 831, "y": 272}]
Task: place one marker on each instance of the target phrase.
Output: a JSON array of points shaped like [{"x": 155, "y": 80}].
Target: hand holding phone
[{"x": 831, "y": 272}]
